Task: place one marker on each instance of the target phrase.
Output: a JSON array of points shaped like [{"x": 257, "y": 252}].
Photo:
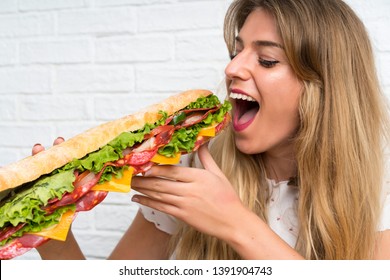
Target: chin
[{"x": 246, "y": 147}]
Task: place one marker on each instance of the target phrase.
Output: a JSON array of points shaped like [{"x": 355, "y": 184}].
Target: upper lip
[{"x": 237, "y": 90}]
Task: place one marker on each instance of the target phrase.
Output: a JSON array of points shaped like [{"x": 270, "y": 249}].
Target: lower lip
[{"x": 240, "y": 127}]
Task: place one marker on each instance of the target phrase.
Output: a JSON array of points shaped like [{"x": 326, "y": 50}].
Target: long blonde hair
[{"x": 339, "y": 141}]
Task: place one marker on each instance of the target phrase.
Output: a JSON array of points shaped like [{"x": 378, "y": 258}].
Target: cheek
[
  {"x": 279, "y": 120},
  {"x": 288, "y": 113},
  {"x": 284, "y": 93}
]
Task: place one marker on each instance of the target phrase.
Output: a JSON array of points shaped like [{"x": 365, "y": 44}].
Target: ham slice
[{"x": 21, "y": 245}]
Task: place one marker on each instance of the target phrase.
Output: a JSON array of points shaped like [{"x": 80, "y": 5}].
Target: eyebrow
[{"x": 262, "y": 43}]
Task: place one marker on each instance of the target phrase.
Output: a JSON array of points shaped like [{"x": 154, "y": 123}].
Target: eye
[{"x": 267, "y": 63}]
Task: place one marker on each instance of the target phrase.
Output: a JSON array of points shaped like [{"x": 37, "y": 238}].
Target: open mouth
[{"x": 245, "y": 110}]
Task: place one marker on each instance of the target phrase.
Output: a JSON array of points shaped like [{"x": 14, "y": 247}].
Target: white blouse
[{"x": 282, "y": 214}]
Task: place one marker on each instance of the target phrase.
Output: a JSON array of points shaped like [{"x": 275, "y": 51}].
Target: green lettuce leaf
[
  {"x": 40, "y": 223},
  {"x": 25, "y": 206},
  {"x": 204, "y": 102}
]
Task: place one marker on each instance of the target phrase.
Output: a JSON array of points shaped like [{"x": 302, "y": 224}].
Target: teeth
[{"x": 242, "y": 96}]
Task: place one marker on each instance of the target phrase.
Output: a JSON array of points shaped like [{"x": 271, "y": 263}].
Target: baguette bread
[{"x": 32, "y": 167}]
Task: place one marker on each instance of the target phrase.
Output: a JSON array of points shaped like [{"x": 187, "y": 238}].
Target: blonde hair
[{"x": 339, "y": 141}]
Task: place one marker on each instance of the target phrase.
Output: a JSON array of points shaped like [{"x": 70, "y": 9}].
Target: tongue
[{"x": 247, "y": 116}]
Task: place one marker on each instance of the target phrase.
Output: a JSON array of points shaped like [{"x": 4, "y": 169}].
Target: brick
[
  {"x": 53, "y": 108},
  {"x": 37, "y": 5},
  {"x": 8, "y": 155},
  {"x": 24, "y": 80},
  {"x": 134, "y": 49},
  {"x": 119, "y": 78},
  {"x": 109, "y": 108},
  {"x": 8, "y": 6},
  {"x": 26, "y": 25},
  {"x": 174, "y": 78},
  {"x": 25, "y": 135},
  {"x": 8, "y": 52},
  {"x": 71, "y": 129},
  {"x": 121, "y": 20},
  {"x": 69, "y": 51},
  {"x": 181, "y": 16},
  {"x": 201, "y": 47},
  {"x": 8, "y": 110}
]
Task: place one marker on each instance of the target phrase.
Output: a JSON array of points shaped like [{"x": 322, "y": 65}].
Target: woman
[{"x": 300, "y": 172}]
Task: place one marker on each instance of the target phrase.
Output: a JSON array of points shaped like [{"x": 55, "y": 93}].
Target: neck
[{"x": 280, "y": 167}]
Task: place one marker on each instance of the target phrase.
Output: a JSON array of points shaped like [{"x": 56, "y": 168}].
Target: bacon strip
[
  {"x": 196, "y": 117},
  {"x": 189, "y": 111},
  {"x": 10, "y": 230},
  {"x": 158, "y": 130},
  {"x": 161, "y": 136},
  {"x": 140, "y": 158}
]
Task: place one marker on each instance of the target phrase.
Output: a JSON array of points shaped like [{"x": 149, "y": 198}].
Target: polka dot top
[{"x": 282, "y": 212}]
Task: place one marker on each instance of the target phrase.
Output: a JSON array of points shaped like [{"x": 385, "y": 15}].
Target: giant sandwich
[{"x": 41, "y": 194}]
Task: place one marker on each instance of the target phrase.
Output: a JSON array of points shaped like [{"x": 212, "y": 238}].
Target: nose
[{"x": 238, "y": 68}]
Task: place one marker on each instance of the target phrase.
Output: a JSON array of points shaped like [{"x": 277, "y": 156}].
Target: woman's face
[{"x": 263, "y": 88}]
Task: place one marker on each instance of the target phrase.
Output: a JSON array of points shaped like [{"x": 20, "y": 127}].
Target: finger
[
  {"x": 59, "y": 140},
  {"x": 37, "y": 149},
  {"x": 158, "y": 196},
  {"x": 207, "y": 160},
  {"x": 157, "y": 205},
  {"x": 157, "y": 185},
  {"x": 170, "y": 172}
]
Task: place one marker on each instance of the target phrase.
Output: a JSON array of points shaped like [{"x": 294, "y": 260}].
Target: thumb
[{"x": 207, "y": 160}]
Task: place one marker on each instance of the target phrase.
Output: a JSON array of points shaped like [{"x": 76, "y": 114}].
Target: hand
[
  {"x": 37, "y": 148},
  {"x": 202, "y": 198}
]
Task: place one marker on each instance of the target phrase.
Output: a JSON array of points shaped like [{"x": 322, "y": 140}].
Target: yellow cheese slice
[
  {"x": 59, "y": 231},
  {"x": 166, "y": 160},
  {"x": 117, "y": 185},
  {"x": 207, "y": 131}
]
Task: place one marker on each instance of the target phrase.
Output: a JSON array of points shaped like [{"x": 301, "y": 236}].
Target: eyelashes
[
  {"x": 263, "y": 62},
  {"x": 267, "y": 63}
]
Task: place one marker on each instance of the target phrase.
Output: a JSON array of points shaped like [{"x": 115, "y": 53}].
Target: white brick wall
[{"x": 68, "y": 65}]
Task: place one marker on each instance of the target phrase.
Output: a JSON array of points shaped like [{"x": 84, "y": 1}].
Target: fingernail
[
  {"x": 135, "y": 199},
  {"x": 58, "y": 140},
  {"x": 37, "y": 144},
  {"x": 148, "y": 173}
]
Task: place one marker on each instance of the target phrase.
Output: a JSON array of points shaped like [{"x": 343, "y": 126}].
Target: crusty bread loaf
[{"x": 31, "y": 168}]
